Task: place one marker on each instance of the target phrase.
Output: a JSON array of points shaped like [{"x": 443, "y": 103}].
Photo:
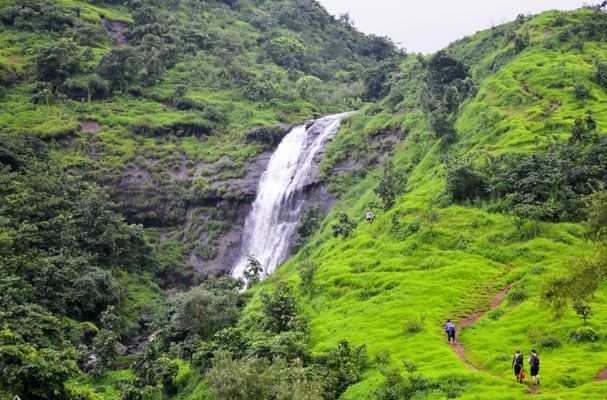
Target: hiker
[
  {"x": 369, "y": 216},
  {"x": 517, "y": 364},
  {"x": 534, "y": 367},
  {"x": 450, "y": 329}
]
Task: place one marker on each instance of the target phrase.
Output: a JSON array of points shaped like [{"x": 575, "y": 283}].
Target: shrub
[
  {"x": 249, "y": 379},
  {"x": 600, "y": 73},
  {"x": 268, "y": 136},
  {"x": 517, "y": 295},
  {"x": 414, "y": 227},
  {"x": 496, "y": 314},
  {"x": 464, "y": 180},
  {"x": 391, "y": 184},
  {"x": 309, "y": 223},
  {"x": 341, "y": 367},
  {"x": 550, "y": 343},
  {"x": 279, "y": 307},
  {"x": 413, "y": 326},
  {"x": 585, "y": 334},
  {"x": 537, "y": 270},
  {"x": 57, "y": 61},
  {"x": 581, "y": 91},
  {"x": 307, "y": 270},
  {"x": 252, "y": 272},
  {"x": 344, "y": 226}
]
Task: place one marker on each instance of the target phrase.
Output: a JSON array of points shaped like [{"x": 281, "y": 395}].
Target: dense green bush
[
  {"x": 285, "y": 51},
  {"x": 309, "y": 223},
  {"x": 524, "y": 184},
  {"x": 464, "y": 180},
  {"x": 341, "y": 367},
  {"x": 344, "y": 226},
  {"x": 57, "y": 61},
  {"x": 198, "y": 314},
  {"x": 585, "y": 334},
  {"x": 391, "y": 185},
  {"x": 32, "y": 372}
]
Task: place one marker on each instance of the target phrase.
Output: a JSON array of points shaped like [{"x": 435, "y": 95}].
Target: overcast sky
[{"x": 429, "y": 25}]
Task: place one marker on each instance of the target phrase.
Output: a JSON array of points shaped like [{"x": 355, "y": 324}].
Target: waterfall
[{"x": 272, "y": 221}]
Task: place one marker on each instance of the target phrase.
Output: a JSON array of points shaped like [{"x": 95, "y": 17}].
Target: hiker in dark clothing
[
  {"x": 534, "y": 367},
  {"x": 450, "y": 329},
  {"x": 517, "y": 365}
]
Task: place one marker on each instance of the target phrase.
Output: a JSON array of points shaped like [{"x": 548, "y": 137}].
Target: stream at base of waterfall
[{"x": 272, "y": 222}]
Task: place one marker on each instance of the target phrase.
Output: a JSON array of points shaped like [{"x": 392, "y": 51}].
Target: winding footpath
[
  {"x": 602, "y": 376},
  {"x": 458, "y": 347}
]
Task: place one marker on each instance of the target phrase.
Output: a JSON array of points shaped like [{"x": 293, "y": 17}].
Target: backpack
[
  {"x": 518, "y": 359},
  {"x": 535, "y": 360}
]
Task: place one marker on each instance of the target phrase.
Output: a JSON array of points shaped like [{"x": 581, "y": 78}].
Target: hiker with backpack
[
  {"x": 450, "y": 329},
  {"x": 369, "y": 215},
  {"x": 534, "y": 367},
  {"x": 517, "y": 365}
]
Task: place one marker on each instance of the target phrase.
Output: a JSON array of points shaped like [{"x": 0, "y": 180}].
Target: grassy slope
[{"x": 384, "y": 275}]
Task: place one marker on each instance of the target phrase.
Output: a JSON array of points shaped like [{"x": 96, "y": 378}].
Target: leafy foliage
[
  {"x": 252, "y": 272},
  {"x": 309, "y": 223},
  {"x": 577, "y": 287},
  {"x": 344, "y": 226},
  {"x": 391, "y": 184},
  {"x": 32, "y": 372}
]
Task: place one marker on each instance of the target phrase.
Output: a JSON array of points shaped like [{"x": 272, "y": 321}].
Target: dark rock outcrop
[{"x": 116, "y": 30}]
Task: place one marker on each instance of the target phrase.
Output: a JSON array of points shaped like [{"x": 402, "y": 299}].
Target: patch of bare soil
[
  {"x": 116, "y": 30},
  {"x": 90, "y": 126},
  {"x": 602, "y": 376}
]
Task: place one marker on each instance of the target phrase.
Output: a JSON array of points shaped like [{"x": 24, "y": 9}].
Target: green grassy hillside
[
  {"x": 484, "y": 165},
  {"x": 392, "y": 284},
  {"x": 163, "y": 103}
]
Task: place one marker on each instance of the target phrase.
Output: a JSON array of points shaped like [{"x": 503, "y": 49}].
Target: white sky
[{"x": 429, "y": 25}]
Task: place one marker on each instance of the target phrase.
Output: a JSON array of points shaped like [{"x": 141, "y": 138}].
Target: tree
[
  {"x": 33, "y": 373},
  {"x": 246, "y": 379},
  {"x": 309, "y": 223},
  {"x": 596, "y": 210},
  {"x": 391, "y": 184},
  {"x": 200, "y": 313},
  {"x": 119, "y": 67},
  {"x": 252, "y": 272},
  {"x": 286, "y": 52},
  {"x": 152, "y": 369},
  {"x": 105, "y": 344},
  {"x": 307, "y": 270},
  {"x": 583, "y": 310},
  {"x": 57, "y": 61},
  {"x": 342, "y": 366},
  {"x": 578, "y": 286},
  {"x": 279, "y": 307},
  {"x": 464, "y": 180},
  {"x": 444, "y": 69},
  {"x": 309, "y": 88},
  {"x": 377, "y": 80}
]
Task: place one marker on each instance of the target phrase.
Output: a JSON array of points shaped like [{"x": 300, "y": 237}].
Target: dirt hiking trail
[{"x": 470, "y": 320}]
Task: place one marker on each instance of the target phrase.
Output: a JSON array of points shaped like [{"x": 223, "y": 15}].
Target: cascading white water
[{"x": 272, "y": 221}]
